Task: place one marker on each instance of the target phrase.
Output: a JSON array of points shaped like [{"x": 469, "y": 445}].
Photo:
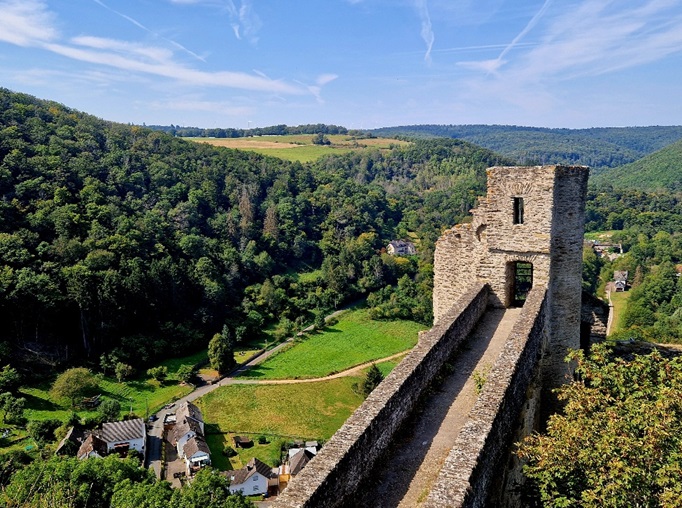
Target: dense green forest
[
  {"x": 649, "y": 227},
  {"x": 117, "y": 238},
  {"x": 598, "y": 148},
  {"x": 659, "y": 170}
]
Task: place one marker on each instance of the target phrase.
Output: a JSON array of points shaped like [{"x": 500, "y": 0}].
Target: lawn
[
  {"x": 306, "y": 410},
  {"x": 280, "y": 412},
  {"x": 270, "y": 453},
  {"x": 145, "y": 395},
  {"x": 619, "y": 301},
  {"x": 600, "y": 236},
  {"x": 356, "y": 339}
]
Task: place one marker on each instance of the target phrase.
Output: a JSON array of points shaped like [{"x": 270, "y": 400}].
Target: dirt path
[
  {"x": 344, "y": 373},
  {"x": 413, "y": 466}
]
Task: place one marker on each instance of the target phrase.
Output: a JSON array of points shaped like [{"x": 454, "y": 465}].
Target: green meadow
[{"x": 354, "y": 340}]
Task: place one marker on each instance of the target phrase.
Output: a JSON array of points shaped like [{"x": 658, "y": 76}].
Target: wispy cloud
[
  {"x": 244, "y": 20},
  {"x": 316, "y": 88},
  {"x": 592, "y": 37},
  {"x": 426, "y": 27},
  {"x": 575, "y": 40},
  {"x": 491, "y": 66},
  {"x": 26, "y": 22},
  {"x": 30, "y": 23},
  {"x": 141, "y": 26}
]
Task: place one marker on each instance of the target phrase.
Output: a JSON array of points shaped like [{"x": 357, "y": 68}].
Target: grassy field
[
  {"x": 600, "y": 236},
  {"x": 146, "y": 396},
  {"x": 269, "y": 453},
  {"x": 281, "y": 412},
  {"x": 619, "y": 304},
  {"x": 306, "y": 410},
  {"x": 356, "y": 339},
  {"x": 299, "y": 147}
]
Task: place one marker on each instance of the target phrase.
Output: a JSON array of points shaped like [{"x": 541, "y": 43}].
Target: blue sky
[{"x": 356, "y": 63}]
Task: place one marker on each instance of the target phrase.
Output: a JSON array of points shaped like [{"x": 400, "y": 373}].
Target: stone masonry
[{"x": 531, "y": 214}]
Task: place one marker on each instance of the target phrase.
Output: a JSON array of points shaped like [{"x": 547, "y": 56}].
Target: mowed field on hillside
[{"x": 300, "y": 147}]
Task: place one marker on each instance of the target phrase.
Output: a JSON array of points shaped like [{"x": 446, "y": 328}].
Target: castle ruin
[
  {"x": 523, "y": 248},
  {"x": 527, "y": 231}
]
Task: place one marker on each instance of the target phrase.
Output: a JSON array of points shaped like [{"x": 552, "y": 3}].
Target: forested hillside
[
  {"x": 649, "y": 227},
  {"x": 659, "y": 170},
  {"x": 116, "y": 237},
  {"x": 598, "y": 148}
]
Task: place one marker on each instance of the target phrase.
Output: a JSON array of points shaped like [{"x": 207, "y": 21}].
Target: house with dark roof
[
  {"x": 92, "y": 446},
  {"x": 72, "y": 442},
  {"x": 401, "y": 248},
  {"x": 189, "y": 422},
  {"x": 187, "y": 434},
  {"x": 242, "y": 442},
  {"x": 620, "y": 278},
  {"x": 254, "y": 479},
  {"x": 197, "y": 454},
  {"x": 298, "y": 461},
  {"x": 121, "y": 437}
]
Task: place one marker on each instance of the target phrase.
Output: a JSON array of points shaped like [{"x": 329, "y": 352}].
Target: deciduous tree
[
  {"x": 618, "y": 440},
  {"x": 73, "y": 384}
]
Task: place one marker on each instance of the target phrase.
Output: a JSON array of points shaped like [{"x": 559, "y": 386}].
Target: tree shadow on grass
[
  {"x": 39, "y": 404},
  {"x": 258, "y": 371}
]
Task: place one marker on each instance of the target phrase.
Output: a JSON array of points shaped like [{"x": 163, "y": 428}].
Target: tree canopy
[
  {"x": 122, "y": 243},
  {"x": 618, "y": 441}
]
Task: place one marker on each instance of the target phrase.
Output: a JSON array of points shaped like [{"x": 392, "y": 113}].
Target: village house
[
  {"x": 620, "y": 278},
  {"x": 114, "y": 437},
  {"x": 92, "y": 446},
  {"x": 298, "y": 461},
  {"x": 72, "y": 442},
  {"x": 401, "y": 248},
  {"x": 121, "y": 437},
  {"x": 196, "y": 454},
  {"x": 188, "y": 437},
  {"x": 254, "y": 479}
]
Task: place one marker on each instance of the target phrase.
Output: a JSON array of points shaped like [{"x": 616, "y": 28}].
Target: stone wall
[
  {"x": 550, "y": 237},
  {"x": 594, "y": 313},
  {"x": 347, "y": 458},
  {"x": 475, "y": 465},
  {"x": 565, "y": 288}
]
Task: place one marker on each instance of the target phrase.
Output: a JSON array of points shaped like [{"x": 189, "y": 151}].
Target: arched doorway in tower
[{"x": 520, "y": 280}]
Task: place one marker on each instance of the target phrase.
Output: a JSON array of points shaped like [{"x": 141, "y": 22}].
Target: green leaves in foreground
[{"x": 618, "y": 442}]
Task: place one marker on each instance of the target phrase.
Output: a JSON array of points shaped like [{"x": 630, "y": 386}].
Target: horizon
[{"x": 360, "y": 64}]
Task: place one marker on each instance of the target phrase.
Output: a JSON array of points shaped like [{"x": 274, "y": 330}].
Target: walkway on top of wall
[{"x": 406, "y": 475}]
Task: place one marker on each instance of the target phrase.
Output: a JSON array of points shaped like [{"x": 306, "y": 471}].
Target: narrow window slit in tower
[{"x": 518, "y": 210}]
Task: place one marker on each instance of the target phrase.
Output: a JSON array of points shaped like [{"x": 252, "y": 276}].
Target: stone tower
[{"x": 527, "y": 231}]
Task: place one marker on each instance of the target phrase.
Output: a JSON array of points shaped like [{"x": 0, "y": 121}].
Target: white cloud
[
  {"x": 30, "y": 23},
  {"x": 155, "y": 54},
  {"x": 323, "y": 79},
  {"x": 26, "y": 22},
  {"x": 426, "y": 27},
  {"x": 141, "y": 26},
  {"x": 244, "y": 20},
  {"x": 577, "y": 39}
]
